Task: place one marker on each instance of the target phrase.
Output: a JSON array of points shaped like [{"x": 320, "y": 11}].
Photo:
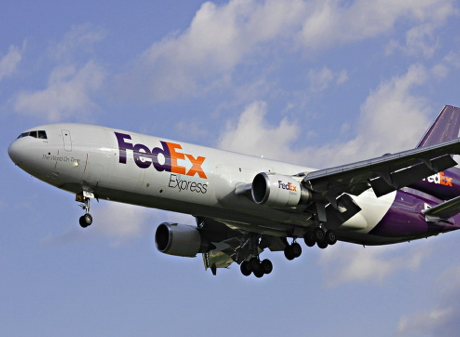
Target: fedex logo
[
  {"x": 171, "y": 153},
  {"x": 440, "y": 178},
  {"x": 288, "y": 186}
]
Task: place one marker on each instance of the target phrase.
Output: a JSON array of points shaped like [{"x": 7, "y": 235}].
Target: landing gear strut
[
  {"x": 254, "y": 265},
  {"x": 86, "y": 219}
]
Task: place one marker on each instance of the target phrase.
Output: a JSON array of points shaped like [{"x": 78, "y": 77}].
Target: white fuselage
[{"x": 133, "y": 168}]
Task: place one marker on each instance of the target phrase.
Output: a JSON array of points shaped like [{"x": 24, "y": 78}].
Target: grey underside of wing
[{"x": 384, "y": 174}]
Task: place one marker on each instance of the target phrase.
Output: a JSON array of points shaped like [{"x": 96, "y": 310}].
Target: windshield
[{"x": 40, "y": 134}]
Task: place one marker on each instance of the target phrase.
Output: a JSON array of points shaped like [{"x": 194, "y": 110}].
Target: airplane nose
[{"x": 14, "y": 152}]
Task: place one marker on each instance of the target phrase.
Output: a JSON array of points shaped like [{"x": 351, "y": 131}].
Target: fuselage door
[{"x": 67, "y": 140}]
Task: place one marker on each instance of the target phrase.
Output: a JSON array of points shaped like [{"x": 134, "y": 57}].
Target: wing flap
[{"x": 410, "y": 175}]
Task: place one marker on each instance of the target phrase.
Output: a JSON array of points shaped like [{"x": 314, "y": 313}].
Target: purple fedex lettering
[
  {"x": 123, "y": 146},
  {"x": 142, "y": 151},
  {"x": 171, "y": 153},
  {"x": 165, "y": 152}
]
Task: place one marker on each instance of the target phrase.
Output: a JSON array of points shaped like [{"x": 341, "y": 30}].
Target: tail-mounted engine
[
  {"x": 276, "y": 190},
  {"x": 180, "y": 240}
]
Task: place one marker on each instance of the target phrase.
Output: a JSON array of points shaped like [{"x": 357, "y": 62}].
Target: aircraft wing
[{"x": 383, "y": 174}]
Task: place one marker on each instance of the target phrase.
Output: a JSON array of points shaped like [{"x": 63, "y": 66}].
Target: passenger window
[
  {"x": 33, "y": 134},
  {"x": 42, "y": 134}
]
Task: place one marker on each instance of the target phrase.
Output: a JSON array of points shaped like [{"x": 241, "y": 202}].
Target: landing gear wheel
[
  {"x": 86, "y": 220},
  {"x": 331, "y": 238},
  {"x": 244, "y": 267},
  {"x": 258, "y": 273},
  {"x": 289, "y": 253},
  {"x": 254, "y": 265},
  {"x": 310, "y": 239},
  {"x": 319, "y": 234},
  {"x": 267, "y": 266},
  {"x": 322, "y": 244},
  {"x": 296, "y": 249}
]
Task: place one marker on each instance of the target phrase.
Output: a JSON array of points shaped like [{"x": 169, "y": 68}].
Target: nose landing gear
[{"x": 85, "y": 198}]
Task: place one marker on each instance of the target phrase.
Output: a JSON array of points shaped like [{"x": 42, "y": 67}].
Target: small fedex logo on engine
[
  {"x": 289, "y": 186},
  {"x": 162, "y": 158}
]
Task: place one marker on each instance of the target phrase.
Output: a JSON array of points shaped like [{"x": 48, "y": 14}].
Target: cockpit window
[{"x": 40, "y": 134}]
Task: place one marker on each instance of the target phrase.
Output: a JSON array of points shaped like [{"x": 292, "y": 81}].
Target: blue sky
[{"x": 317, "y": 83}]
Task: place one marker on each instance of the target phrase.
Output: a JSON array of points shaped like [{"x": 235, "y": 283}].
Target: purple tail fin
[{"x": 445, "y": 127}]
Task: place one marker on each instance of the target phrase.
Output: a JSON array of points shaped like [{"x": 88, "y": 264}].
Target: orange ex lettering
[
  {"x": 174, "y": 156},
  {"x": 445, "y": 180}
]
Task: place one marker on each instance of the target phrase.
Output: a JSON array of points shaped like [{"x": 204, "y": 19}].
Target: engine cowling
[
  {"x": 180, "y": 240},
  {"x": 276, "y": 190}
]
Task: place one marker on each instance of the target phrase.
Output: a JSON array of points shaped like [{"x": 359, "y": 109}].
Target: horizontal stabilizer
[{"x": 445, "y": 210}]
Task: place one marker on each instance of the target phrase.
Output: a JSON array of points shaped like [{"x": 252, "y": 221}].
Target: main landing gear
[
  {"x": 254, "y": 265},
  {"x": 321, "y": 237},
  {"x": 86, "y": 219},
  {"x": 257, "y": 267},
  {"x": 292, "y": 251}
]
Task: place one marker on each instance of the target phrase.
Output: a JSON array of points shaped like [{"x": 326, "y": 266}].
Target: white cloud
[
  {"x": 394, "y": 107},
  {"x": 219, "y": 38},
  {"x": 253, "y": 135},
  {"x": 335, "y": 22},
  {"x": 321, "y": 79},
  {"x": 68, "y": 92},
  {"x": 424, "y": 322},
  {"x": 9, "y": 62},
  {"x": 420, "y": 41},
  {"x": 351, "y": 263},
  {"x": 440, "y": 71},
  {"x": 453, "y": 59},
  {"x": 443, "y": 319},
  {"x": 71, "y": 83},
  {"x": 122, "y": 222},
  {"x": 392, "y": 119},
  {"x": 80, "y": 38}
]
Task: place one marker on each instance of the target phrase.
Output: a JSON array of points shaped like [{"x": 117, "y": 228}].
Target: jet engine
[
  {"x": 180, "y": 240},
  {"x": 276, "y": 190}
]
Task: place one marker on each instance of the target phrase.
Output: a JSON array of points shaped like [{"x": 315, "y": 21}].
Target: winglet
[{"x": 445, "y": 127}]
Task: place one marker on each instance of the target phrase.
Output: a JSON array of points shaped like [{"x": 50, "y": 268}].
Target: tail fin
[{"x": 445, "y": 127}]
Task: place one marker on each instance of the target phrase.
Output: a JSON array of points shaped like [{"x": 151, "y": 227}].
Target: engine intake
[
  {"x": 180, "y": 240},
  {"x": 276, "y": 190}
]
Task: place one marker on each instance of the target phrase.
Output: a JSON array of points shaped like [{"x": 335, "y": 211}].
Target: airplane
[{"x": 243, "y": 204}]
